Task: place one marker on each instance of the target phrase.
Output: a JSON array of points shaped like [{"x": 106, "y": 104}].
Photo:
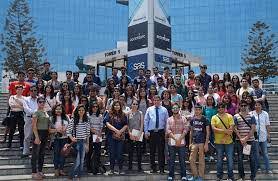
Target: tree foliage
[
  {"x": 259, "y": 55},
  {"x": 21, "y": 48}
]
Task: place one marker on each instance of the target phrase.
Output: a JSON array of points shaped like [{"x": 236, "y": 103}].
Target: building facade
[{"x": 215, "y": 30}]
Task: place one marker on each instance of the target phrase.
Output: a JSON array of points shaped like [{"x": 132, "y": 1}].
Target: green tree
[
  {"x": 259, "y": 55},
  {"x": 21, "y": 48}
]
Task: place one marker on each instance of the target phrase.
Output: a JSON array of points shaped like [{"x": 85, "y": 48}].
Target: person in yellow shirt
[{"x": 222, "y": 126}]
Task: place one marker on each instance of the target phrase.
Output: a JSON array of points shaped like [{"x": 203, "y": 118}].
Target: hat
[{"x": 203, "y": 66}]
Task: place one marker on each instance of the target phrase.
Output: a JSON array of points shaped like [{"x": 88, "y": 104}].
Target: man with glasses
[
  {"x": 198, "y": 142},
  {"x": 123, "y": 71},
  {"x": 95, "y": 77},
  {"x": 245, "y": 126},
  {"x": 205, "y": 78},
  {"x": 30, "y": 106},
  {"x": 176, "y": 129},
  {"x": 46, "y": 74},
  {"x": 89, "y": 84},
  {"x": 148, "y": 78},
  {"x": 154, "y": 127},
  {"x": 155, "y": 75},
  {"x": 30, "y": 76},
  {"x": 223, "y": 125},
  {"x": 160, "y": 86},
  {"x": 76, "y": 77},
  {"x": 69, "y": 80},
  {"x": 181, "y": 89},
  {"x": 137, "y": 80}
]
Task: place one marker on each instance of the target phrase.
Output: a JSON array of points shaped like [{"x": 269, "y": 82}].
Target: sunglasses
[
  {"x": 84, "y": 100},
  {"x": 41, "y": 102},
  {"x": 134, "y": 104},
  {"x": 33, "y": 90},
  {"x": 243, "y": 105},
  {"x": 94, "y": 106},
  {"x": 175, "y": 108}
]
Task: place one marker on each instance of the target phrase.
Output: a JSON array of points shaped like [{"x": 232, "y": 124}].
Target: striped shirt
[
  {"x": 242, "y": 127},
  {"x": 82, "y": 130}
]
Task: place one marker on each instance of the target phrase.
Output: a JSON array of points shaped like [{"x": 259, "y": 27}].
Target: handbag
[{"x": 68, "y": 148}]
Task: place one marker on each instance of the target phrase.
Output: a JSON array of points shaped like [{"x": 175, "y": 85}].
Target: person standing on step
[
  {"x": 59, "y": 122},
  {"x": 16, "y": 103},
  {"x": 29, "y": 108},
  {"x": 154, "y": 127},
  {"x": 176, "y": 129},
  {"x": 135, "y": 125},
  {"x": 116, "y": 122},
  {"x": 198, "y": 142},
  {"x": 41, "y": 129},
  {"x": 245, "y": 126},
  {"x": 223, "y": 126}
]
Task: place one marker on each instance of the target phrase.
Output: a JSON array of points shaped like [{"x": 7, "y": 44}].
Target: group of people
[{"x": 169, "y": 114}]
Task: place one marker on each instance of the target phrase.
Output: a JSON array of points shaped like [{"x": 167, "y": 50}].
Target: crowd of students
[{"x": 169, "y": 114}]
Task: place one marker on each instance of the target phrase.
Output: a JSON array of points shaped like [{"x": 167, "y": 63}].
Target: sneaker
[
  {"x": 170, "y": 178},
  {"x": 219, "y": 179},
  {"x": 121, "y": 172},
  {"x": 111, "y": 172},
  {"x": 41, "y": 174},
  {"x": 184, "y": 179},
  {"x": 189, "y": 178},
  {"x": 211, "y": 159},
  {"x": 21, "y": 148},
  {"x": 24, "y": 155},
  {"x": 269, "y": 172},
  {"x": 36, "y": 176}
]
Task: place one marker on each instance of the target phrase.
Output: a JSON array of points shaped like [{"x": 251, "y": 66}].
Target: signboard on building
[
  {"x": 136, "y": 62},
  {"x": 162, "y": 61},
  {"x": 138, "y": 36},
  {"x": 162, "y": 34}
]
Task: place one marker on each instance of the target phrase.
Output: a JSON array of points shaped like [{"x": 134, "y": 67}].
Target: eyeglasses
[
  {"x": 84, "y": 100},
  {"x": 41, "y": 102},
  {"x": 175, "y": 108},
  {"x": 94, "y": 106},
  {"x": 243, "y": 105},
  {"x": 35, "y": 90},
  {"x": 178, "y": 79},
  {"x": 68, "y": 74},
  {"x": 65, "y": 85},
  {"x": 81, "y": 110},
  {"x": 134, "y": 104}
]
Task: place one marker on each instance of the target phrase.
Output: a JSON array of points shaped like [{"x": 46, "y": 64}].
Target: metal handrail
[{"x": 271, "y": 88}]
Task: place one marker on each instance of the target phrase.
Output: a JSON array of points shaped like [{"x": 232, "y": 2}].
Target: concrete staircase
[{"x": 12, "y": 167}]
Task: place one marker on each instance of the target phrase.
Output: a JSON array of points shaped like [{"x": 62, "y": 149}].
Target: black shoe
[
  {"x": 153, "y": 171},
  {"x": 24, "y": 156},
  {"x": 161, "y": 171}
]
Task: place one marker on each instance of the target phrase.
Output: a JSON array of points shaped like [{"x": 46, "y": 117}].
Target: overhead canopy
[{"x": 118, "y": 57}]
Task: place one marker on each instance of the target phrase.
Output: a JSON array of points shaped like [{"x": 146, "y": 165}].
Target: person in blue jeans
[
  {"x": 245, "y": 125},
  {"x": 176, "y": 128},
  {"x": 223, "y": 125},
  {"x": 116, "y": 122},
  {"x": 78, "y": 131},
  {"x": 263, "y": 132},
  {"x": 59, "y": 123}
]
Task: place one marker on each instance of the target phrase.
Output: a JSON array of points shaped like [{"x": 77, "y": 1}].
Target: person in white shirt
[
  {"x": 30, "y": 106},
  {"x": 244, "y": 87},
  {"x": 214, "y": 95},
  {"x": 155, "y": 75},
  {"x": 263, "y": 133}
]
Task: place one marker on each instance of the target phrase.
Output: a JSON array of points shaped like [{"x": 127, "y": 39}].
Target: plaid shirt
[{"x": 178, "y": 126}]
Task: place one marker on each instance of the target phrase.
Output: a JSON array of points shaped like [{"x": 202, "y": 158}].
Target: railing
[{"x": 271, "y": 88}]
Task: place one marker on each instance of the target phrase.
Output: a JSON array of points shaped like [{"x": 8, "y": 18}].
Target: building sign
[
  {"x": 162, "y": 35},
  {"x": 138, "y": 36},
  {"x": 136, "y": 62},
  {"x": 162, "y": 61}
]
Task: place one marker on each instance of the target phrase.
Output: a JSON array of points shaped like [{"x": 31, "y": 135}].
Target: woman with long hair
[
  {"x": 143, "y": 84},
  {"x": 41, "y": 87},
  {"x": 129, "y": 95},
  {"x": 226, "y": 78},
  {"x": 169, "y": 81},
  {"x": 116, "y": 122},
  {"x": 175, "y": 97},
  {"x": 235, "y": 82},
  {"x": 248, "y": 77},
  {"x": 215, "y": 80},
  {"x": 41, "y": 129},
  {"x": 231, "y": 108},
  {"x": 200, "y": 98},
  {"x": 143, "y": 100},
  {"x": 67, "y": 103},
  {"x": 60, "y": 122},
  {"x": 63, "y": 89},
  {"x": 50, "y": 100},
  {"x": 96, "y": 123},
  {"x": 221, "y": 88},
  {"x": 76, "y": 95},
  {"x": 190, "y": 96},
  {"x": 152, "y": 93},
  {"x": 124, "y": 83},
  {"x": 84, "y": 101},
  {"x": 166, "y": 101},
  {"x": 187, "y": 108},
  {"x": 78, "y": 131},
  {"x": 135, "y": 130},
  {"x": 115, "y": 97},
  {"x": 251, "y": 102}
]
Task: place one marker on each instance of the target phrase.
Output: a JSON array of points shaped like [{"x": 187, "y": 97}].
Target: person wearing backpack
[
  {"x": 198, "y": 142},
  {"x": 245, "y": 126},
  {"x": 223, "y": 126}
]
